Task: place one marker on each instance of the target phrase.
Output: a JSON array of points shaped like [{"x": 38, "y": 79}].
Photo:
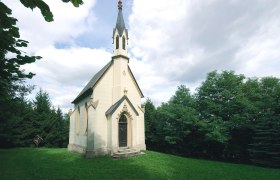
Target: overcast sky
[{"x": 172, "y": 42}]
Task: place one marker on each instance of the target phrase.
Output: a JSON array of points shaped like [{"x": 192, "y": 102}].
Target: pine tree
[
  {"x": 150, "y": 123},
  {"x": 265, "y": 149}
]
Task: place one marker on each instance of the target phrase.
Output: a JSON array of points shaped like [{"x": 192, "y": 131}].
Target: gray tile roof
[
  {"x": 120, "y": 26},
  {"x": 93, "y": 81},
  {"x": 114, "y": 107}
]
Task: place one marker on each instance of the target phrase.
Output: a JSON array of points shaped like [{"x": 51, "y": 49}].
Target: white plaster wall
[
  {"x": 134, "y": 96},
  {"x": 102, "y": 94},
  {"x": 90, "y": 132},
  {"x": 119, "y": 77},
  {"x": 133, "y": 92},
  {"x": 141, "y": 127},
  {"x": 72, "y": 128},
  {"x": 120, "y": 51},
  {"x": 80, "y": 137},
  {"x": 114, "y": 130},
  {"x": 109, "y": 130}
]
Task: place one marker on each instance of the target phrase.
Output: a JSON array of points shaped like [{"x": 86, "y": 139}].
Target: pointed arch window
[
  {"x": 123, "y": 42},
  {"x": 117, "y": 42}
]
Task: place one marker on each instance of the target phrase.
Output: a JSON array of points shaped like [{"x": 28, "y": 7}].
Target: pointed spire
[
  {"x": 120, "y": 26},
  {"x": 120, "y": 35}
]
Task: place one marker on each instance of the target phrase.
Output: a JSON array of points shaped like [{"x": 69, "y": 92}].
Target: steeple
[{"x": 120, "y": 34}]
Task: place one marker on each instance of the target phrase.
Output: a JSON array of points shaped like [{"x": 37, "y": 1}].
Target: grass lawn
[{"x": 43, "y": 163}]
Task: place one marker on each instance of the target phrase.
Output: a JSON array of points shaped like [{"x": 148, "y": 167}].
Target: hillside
[{"x": 43, "y": 163}]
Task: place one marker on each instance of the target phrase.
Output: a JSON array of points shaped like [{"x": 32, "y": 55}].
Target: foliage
[
  {"x": 26, "y": 120},
  {"x": 150, "y": 123},
  {"x": 229, "y": 117},
  {"x": 43, "y": 163},
  {"x": 180, "y": 130},
  {"x": 50, "y": 122},
  {"x": 44, "y": 8},
  {"x": 18, "y": 119},
  {"x": 265, "y": 149},
  {"x": 11, "y": 56}
]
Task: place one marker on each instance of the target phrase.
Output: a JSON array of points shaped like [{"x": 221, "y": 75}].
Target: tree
[
  {"x": 221, "y": 100},
  {"x": 12, "y": 77},
  {"x": 17, "y": 122},
  {"x": 49, "y": 122},
  {"x": 220, "y": 95},
  {"x": 182, "y": 130},
  {"x": 11, "y": 56},
  {"x": 265, "y": 149},
  {"x": 150, "y": 124}
]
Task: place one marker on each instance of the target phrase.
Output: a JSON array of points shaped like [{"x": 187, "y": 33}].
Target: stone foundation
[
  {"x": 91, "y": 153},
  {"x": 76, "y": 148},
  {"x": 140, "y": 147},
  {"x": 96, "y": 152}
]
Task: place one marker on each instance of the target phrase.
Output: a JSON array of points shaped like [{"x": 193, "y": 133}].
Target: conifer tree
[
  {"x": 150, "y": 124},
  {"x": 265, "y": 149}
]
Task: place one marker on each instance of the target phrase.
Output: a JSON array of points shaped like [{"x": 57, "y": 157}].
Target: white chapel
[{"x": 107, "y": 115}]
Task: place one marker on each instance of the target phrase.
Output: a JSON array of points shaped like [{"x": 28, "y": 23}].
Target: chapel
[{"x": 108, "y": 118}]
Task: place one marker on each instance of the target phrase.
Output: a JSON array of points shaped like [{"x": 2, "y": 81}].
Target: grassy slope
[{"x": 43, "y": 163}]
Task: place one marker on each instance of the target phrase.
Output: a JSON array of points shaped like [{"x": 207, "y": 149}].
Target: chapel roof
[{"x": 92, "y": 82}]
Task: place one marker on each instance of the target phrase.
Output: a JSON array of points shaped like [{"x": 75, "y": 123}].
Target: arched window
[
  {"x": 117, "y": 42},
  {"x": 123, "y": 118},
  {"x": 123, "y": 42},
  {"x": 78, "y": 120},
  {"x": 86, "y": 119}
]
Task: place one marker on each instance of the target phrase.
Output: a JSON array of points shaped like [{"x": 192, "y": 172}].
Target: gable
[
  {"x": 135, "y": 82},
  {"x": 88, "y": 88},
  {"x": 114, "y": 107},
  {"x": 94, "y": 80}
]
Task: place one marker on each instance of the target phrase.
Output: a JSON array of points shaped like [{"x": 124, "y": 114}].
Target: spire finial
[{"x": 120, "y": 5}]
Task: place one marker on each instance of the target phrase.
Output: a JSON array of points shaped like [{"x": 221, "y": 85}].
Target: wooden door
[{"x": 123, "y": 131}]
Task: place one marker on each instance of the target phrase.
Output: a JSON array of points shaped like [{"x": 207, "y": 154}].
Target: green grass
[{"x": 43, "y": 163}]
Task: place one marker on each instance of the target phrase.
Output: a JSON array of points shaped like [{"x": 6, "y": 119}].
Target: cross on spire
[{"x": 120, "y": 4}]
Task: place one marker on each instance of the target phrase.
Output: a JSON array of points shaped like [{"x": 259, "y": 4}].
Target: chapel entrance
[{"x": 123, "y": 131}]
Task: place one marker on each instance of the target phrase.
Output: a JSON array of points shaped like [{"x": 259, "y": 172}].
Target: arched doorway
[{"x": 123, "y": 131}]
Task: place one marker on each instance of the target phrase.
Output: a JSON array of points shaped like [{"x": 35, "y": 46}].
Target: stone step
[
  {"x": 121, "y": 150},
  {"x": 126, "y": 153}
]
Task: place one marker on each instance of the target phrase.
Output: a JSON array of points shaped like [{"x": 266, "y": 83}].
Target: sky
[{"x": 171, "y": 42}]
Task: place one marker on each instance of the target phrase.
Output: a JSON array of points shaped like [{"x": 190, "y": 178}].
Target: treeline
[
  {"x": 23, "y": 121},
  {"x": 229, "y": 117}
]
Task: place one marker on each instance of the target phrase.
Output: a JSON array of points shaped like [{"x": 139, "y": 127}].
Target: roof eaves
[{"x": 94, "y": 80}]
